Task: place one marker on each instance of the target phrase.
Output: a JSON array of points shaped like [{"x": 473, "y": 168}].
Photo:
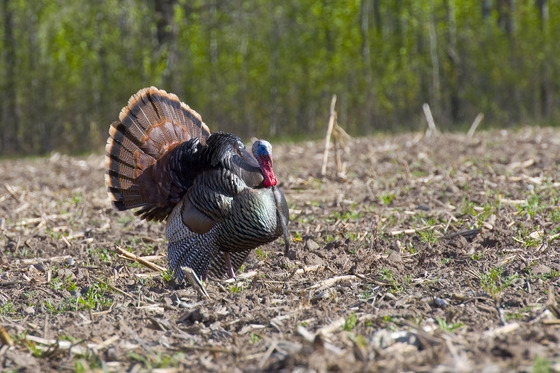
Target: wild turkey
[{"x": 219, "y": 202}]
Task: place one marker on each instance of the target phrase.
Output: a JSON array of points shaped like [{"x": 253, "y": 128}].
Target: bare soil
[{"x": 433, "y": 254}]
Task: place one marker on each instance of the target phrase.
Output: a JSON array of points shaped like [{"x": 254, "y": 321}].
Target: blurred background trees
[{"x": 269, "y": 68}]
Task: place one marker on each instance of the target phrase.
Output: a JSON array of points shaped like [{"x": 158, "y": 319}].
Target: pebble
[{"x": 311, "y": 245}]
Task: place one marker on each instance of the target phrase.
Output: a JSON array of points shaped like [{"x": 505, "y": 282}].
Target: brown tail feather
[{"x": 153, "y": 123}]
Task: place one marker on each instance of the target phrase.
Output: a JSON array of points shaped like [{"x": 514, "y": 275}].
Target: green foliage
[
  {"x": 7, "y": 308},
  {"x": 387, "y": 275},
  {"x": 254, "y": 338},
  {"x": 494, "y": 282},
  {"x": 261, "y": 254},
  {"x": 157, "y": 360},
  {"x": 386, "y": 198},
  {"x": 255, "y": 67},
  {"x": 94, "y": 298},
  {"x": 351, "y": 322},
  {"x": 542, "y": 365},
  {"x": 448, "y": 327}
]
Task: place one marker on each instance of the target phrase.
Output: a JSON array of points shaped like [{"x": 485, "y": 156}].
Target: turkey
[{"x": 219, "y": 202}]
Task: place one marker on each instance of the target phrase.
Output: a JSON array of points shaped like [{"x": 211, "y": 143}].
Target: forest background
[{"x": 269, "y": 68}]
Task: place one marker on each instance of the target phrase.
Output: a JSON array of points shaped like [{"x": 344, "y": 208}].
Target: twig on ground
[
  {"x": 330, "y": 126},
  {"x": 432, "y": 130},
  {"x": 470, "y": 233},
  {"x": 11, "y": 190},
  {"x": 508, "y": 328},
  {"x": 44, "y": 344},
  {"x": 207, "y": 349},
  {"x": 414, "y": 230},
  {"x": 475, "y": 124},
  {"x": 42, "y": 260},
  {"x": 42, "y": 219},
  {"x": 241, "y": 277},
  {"x": 5, "y": 337},
  {"x": 331, "y": 281},
  {"x": 267, "y": 354},
  {"x": 133, "y": 257}
]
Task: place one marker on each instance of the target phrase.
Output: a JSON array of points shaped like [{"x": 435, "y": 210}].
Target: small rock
[
  {"x": 439, "y": 302},
  {"x": 382, "y": 339},
  {"x": 394, "y": 257},
  {"x": 111, "y": 354},
  {"x": 311, "y": 245},
  {"x": 313, "y": 259},
  {"x": 540, "y": 269},
  {"x": 291, "y": 254},
  {"x": 28, "y": 311}
]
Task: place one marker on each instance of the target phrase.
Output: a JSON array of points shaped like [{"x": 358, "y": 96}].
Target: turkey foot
[{"x": 230, "y": 271}]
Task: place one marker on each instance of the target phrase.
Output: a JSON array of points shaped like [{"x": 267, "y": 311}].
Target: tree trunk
[
  {"x": 10, "y": 120},
  {"x": 546, "y": 89},
  {"x": 365, "y": 11},
  {"x": 436, "y": 85},
  {"x": 454, "y": 62}
]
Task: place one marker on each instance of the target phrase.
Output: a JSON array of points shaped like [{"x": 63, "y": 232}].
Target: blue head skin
[{"x": 262, "y": 150}]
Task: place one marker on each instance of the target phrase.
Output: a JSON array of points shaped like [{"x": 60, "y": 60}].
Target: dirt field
[{"x": 434, "y": 254}]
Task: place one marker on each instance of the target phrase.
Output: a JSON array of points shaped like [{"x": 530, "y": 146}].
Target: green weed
[
  {"x": 495, "y": 281},
  {"x": 388, "y": 276},
  {"x": 254, "y": 338},
  {"x": 7, "y": 309},
  {"x": 351, "y": 322},
  {"x": 386, "y": 198},
  {"x": 448, "y": 327}
]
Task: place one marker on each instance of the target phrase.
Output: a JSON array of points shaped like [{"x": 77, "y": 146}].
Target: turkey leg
[{"x": 230, "y": 271}]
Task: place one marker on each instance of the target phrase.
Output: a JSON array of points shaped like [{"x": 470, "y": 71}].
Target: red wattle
[{"x": 269, "y": 179}]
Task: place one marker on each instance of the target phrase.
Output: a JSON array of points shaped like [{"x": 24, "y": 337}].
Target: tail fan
[{"x": 152, "y": 124}]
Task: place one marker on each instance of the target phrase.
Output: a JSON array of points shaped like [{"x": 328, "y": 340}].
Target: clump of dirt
[{"x": 432, "y": 254}]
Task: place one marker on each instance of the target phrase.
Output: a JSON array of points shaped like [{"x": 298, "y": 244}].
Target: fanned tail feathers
[{"x": 152, "y": 124}]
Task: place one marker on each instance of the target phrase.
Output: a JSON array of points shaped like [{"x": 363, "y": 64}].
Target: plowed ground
[{"x": 433, "y": 254}]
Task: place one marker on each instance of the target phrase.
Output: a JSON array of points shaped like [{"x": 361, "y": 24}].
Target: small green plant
[
  {"x": 254, "y": 338},
  {"x": 330, "y": 237},
  {"x": 351, "y": 322},
  {"x": 476, "y": 256},
  {"x": 542, "y": 365},
  {"x": 166, "y": 275},
  {"x": 428, "y": 236},
  {"x": 261, "y": 254},
  {"x": 34, "y": 350},
  {"x": 95, "y": 297},
  {"x": 386, "y": 198},
  {"x": 7, "y": 308},
  {"x": 495, "y": 282},
  {"x": 388, "y": 276},
  {"x": 157, "y": 360},
  {"x": 552, "y": 275},
  {"x": 531, "y": 207},
  {"x": 237, "y": 287},
  {"x": 448, "y": 327}
]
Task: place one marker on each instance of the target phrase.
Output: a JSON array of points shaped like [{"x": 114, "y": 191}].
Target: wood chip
[
  {"x": 502, "y": 330},
  {"x": 414, "y": 230},
  {"x": 133, "y": 257},
  {"x": 332, "y": 281},
  {"x": 5, "y": 337}
]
